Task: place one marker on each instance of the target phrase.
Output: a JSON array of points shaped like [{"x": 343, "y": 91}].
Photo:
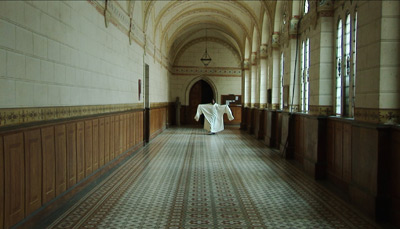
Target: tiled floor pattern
[{"x": 186, "y": 179}]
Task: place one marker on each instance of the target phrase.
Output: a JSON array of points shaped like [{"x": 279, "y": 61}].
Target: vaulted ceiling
[{"x": 172, "y": 25}]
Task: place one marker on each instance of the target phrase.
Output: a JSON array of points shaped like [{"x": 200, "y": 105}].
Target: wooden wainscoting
[
  {"x": 394, "y": 184},
  {"x": 40, "y": 162},
  {"x": 158, "y": 120},
  {"x": 338, "y": 152}
]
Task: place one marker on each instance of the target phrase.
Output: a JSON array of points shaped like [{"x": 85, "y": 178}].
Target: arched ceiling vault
[{"x": 175, "y": 24}]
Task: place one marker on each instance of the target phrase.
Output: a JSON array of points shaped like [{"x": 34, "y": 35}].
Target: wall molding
[
  {"x": 209, "y": 71},
  {"x": 375, "y": 115},
  {"x": 320, "y": 110},
  {"x": 17, "y": 116}
]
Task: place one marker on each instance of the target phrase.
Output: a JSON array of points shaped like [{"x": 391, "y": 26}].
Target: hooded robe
[{"x": 214, "y": 116}]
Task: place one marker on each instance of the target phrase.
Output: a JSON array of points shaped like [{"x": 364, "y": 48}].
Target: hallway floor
[{"x": 187, "y": 179}]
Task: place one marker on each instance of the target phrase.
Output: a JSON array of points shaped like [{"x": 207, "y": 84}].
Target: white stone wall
[
  {"x": 390, "y": 56},
  {"x": 368, "y": 55},
  {"x": 55, "y": 53}
]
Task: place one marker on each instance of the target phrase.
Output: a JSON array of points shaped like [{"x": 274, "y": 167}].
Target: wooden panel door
[
  {"x": 1, "y": 183},
  {"x": 14, "y": 179},
  {"x": 106, "y": 140},
  {"x": 61, "y": 158},
  {"x": 33, "y": 171},
  {"x": 95, "y": 149},
  {"x": 71, "y": 155},
  {"x": 49, "y": 162},
  {"x": 88, "y": 148},
  {"x": 80, "y": 150},
  {"x": 101, "y": 142},
  {"x": 116, "y": 136}
]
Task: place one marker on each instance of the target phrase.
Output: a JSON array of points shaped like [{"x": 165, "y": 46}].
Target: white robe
[{"x": 214, "y": 116}]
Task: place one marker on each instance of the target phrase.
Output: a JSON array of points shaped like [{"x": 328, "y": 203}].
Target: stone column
[
  {"x": 263, "y": 76},
  {"x": 275, "y": 70},
  {"x": 253, "y": 77},
  {"x": 247, "y": 80}
]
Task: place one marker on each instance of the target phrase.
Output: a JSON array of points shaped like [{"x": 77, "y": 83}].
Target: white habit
[{"x": 214, "y": 116}]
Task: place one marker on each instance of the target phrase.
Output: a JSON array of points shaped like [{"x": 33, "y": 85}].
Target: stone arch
[{"x": 195, "y": 80}]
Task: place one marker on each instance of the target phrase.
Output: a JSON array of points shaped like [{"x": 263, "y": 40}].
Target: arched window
[
  {"x": 338, "y": 109},
  {"x": 306, "y": 7},
  {"x": 346, "y": 40},
  {"x": 305, "y": 76},
  {"x": 281, "y": 81}
]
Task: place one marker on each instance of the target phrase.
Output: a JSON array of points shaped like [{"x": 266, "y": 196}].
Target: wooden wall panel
[
  {"x": 330, "y": 147},
  {"x": 137, "y": 128},
  {"x": 125, "y": 145},
  {"x": 61, "y": 158},
  {"x": 121, "y": 133},
  {"x": 394, "y": 184},
  {"x": 128, "y": 132},
  {"x": 95, "y": 146},
  {"x": 101, "y": 142},
  {"x": 116, "y": 136},
  {"x": 49, "y": 162},
  {"x": 33, "y": 171},
  {"x": 338, "y": 150},
  {"x": 106, "y": 140},
  {"x": 141, "y": 131},
  {"x": 132, "y": 129},
  {"x": 71, "y": 155},
  {"x": 347, "y": 153},
  {"x": 80, "y": 150},
  {"x": 1, "y": 183},
  {"x": 112, "y": 140},
  {"x": 14, "y": 179},
  {"x": 88, "y": 138}
]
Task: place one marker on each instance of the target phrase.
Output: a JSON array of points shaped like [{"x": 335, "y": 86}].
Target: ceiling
[{"x": 173, "y": 25}]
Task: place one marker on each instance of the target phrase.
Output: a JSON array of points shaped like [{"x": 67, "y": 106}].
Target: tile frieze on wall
[
  {"x": 16, "y": 116},
  {"x": 387, "y": 116},
  {"x": 320, "y": 110},
  {"x": 231, "y": 72}
]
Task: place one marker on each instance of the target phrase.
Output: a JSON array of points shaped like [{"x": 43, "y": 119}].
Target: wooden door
[{"x": 200, "y": 93}]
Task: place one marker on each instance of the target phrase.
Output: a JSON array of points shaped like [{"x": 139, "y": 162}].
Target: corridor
[{"x": 187, "y": 179}]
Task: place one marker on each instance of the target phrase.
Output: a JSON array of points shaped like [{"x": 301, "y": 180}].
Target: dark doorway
[{"x": 200, "y": 93}]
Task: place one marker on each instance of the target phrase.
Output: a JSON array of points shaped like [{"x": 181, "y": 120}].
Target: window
[
  {"x": 305, "y": 76},
  {"x": 306, "y": 7},
  {"x": 353, "y": 94},
  {"x": 346, "y": 41},
  {"x": 281, "y": 82},
  {"x": 347, "y": 48},
  {"x": 338, "y": 109}
]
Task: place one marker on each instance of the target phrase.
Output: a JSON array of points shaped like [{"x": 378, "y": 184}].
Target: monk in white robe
[{"x": 213, "y": 116}]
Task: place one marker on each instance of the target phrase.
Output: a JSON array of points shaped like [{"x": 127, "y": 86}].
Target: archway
[{"x": 201, "y": 92}]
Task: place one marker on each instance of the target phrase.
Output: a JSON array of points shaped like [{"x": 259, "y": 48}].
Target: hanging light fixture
[{"x": 206, "y": 59}]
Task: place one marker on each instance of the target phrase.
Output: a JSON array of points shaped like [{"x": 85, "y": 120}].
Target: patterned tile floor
[{"x": 187, "y": 179}]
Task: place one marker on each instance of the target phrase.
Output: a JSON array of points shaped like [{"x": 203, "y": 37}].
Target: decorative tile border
[
  {"x": 16, "y": 116},
  {"x": 231, "y": 72},
  {"x": 321, "y": 110},
  {"x": 386, "y": 116}
]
